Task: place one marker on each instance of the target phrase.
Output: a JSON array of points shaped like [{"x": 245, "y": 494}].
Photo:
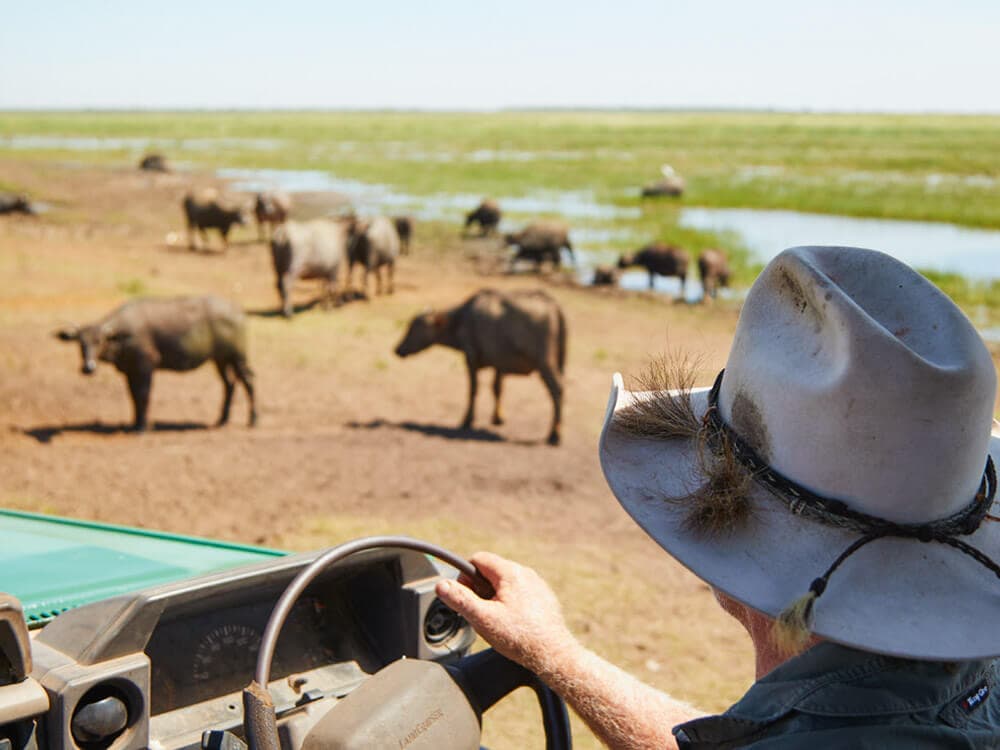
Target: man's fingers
[
  {"x": 461, "y": 599},
  {"x": 492, "y": 567}
]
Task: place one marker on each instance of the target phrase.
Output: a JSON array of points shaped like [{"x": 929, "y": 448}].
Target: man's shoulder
[{"x": 833, "y": 696}]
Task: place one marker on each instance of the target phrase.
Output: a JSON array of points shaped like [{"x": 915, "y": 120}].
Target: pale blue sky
[{"x": 897, "y": 55}]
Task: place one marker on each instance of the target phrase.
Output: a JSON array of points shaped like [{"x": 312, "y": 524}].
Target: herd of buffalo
[{"x": 514, "y": 333}]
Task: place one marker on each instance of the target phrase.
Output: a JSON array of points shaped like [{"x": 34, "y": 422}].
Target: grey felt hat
[{"x": 862, "y": 388}]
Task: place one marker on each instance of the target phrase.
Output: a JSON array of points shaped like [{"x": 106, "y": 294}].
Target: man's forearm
[{"x": 623, "y": 712}]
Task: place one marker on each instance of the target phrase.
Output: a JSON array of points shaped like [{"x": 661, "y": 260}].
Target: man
[{"x": 834, "y": 488}]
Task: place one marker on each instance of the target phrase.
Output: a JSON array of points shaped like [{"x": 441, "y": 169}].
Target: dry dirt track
[{"x": 351, "y": 440}]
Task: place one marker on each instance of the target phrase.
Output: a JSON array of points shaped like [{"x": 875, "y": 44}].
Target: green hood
[{"x": 53, "y": 564}]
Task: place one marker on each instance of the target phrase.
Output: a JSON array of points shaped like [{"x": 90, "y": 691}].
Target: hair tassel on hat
[{"x": 793, "y": 627}]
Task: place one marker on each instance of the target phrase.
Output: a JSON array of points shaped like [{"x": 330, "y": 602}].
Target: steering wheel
[{"x": 410, "y": 703}]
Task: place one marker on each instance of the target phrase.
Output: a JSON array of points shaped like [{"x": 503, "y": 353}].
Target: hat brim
[{"x": 894, "y": 596}]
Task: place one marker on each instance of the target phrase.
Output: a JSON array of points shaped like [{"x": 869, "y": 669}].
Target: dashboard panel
[{"x": 180, "y": 654}]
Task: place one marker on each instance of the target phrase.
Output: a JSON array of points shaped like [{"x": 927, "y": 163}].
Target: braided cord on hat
[{"x": 797, "y": 618}]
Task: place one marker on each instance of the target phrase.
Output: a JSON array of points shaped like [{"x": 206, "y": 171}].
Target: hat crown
[{"x": 854, "y": 376}]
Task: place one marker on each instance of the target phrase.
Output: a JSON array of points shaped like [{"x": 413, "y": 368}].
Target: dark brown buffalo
[
  {"x": 15, "y": 204},
  {"x": 713, "y": 268},
  {"x": 205, "y": 212},
  {"x": 271, "y": 209},
  {"x": 154, "y": 163},
  {"x": 486, "y": 215},
  {"x": 374, "y": 244},
  {"x": 672, "y": 188},
  {"x": 659, "y": 259},
  {"x": 404, "y": 228},
  {"x": 308, "y": 250},
  {"x": 515, "y": 333},
  {"x": 168, "y": 334},
  {"x": 540, "y": 241}
]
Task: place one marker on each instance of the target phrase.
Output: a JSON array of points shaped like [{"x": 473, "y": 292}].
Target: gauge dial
[{"x": 226, "y": 650}]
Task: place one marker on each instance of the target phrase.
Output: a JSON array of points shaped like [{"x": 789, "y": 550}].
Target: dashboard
[{"x": 176, "y": 657}]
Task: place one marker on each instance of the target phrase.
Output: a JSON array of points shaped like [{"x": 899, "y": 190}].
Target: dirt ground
[{"x": 351, "y": 440}]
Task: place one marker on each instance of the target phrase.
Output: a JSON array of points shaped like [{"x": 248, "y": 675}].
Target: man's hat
[{"x": 839, "y": 475}]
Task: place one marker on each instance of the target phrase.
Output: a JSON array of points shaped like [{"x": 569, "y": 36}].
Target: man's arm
[{"x": 524, "y": 622}]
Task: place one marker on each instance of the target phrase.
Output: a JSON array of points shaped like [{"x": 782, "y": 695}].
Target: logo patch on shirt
[{"x": 976, "y": 698}]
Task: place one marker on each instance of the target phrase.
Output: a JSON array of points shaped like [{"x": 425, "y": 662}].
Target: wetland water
[{"x": 973, "y": 253}]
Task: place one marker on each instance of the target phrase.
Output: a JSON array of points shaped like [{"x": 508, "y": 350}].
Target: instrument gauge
[{"x": 224, "y": 651}]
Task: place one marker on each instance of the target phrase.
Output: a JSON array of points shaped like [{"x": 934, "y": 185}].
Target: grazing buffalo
[
  {"x": 373, "y": 243},
  {"x": 659, "y": 259},
  {"x": 308, "y": 250},
  {"x": 15, "y": 204},
  {"x": 540, "y": 241},
  {"x": 154, "y": 163},
  {"x": 168, "y": 334},
  {"x": 203, "y": 211},
  {"x": 714, "y": 271},
  {"x": 404, "y": 228},
  {"x": 271, "y": 209},
  {"x": 515, "y": 333},
  {"x": 486, "y": 215}
]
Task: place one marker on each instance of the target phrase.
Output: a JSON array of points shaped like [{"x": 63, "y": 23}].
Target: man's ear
[{"x": 68, "y": 334}]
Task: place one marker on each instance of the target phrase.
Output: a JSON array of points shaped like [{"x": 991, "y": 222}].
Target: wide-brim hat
[{"x": 862, "y": 387}]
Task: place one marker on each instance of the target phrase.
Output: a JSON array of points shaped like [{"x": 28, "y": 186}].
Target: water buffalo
[
  {"x": 515, "y": 333},
  {"x": 15, "y": 204},
  {"x": 373, "y": 243},
  {"x": 713, "y": 268},
  {"x": 168, "y": 334},
  {"x": 671, "y": 185},
  {"x": 660, "y": 259},
  {"x": 271, "y": 209},
  {"x": 486, "y": 215},
  {"x": 154, "y": 163},
  {"x": 308, "y": 250},
  {"x": 540, "y": 241},
  {"x": 204, "y": 212},
  {"x": 404, "y": 228}
]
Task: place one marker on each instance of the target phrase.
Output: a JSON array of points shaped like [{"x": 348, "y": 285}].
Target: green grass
[{"x": 919, "y": 167}]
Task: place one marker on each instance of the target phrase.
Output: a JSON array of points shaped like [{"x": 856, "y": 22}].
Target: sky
[{"x": 891, "y": 55}]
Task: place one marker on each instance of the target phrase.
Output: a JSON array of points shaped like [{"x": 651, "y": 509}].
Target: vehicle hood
[{"x": 53, "y": 564}]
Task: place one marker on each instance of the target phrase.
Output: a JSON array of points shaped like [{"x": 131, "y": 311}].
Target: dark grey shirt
[{"x": 837, "y": 697}]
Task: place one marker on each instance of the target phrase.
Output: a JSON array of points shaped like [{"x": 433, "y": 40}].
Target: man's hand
[{"x": 523, "y": 621}]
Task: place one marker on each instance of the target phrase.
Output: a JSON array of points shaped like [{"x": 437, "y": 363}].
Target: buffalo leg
[
  {"x": 245, "y": 375},
  {"x": 683, "y": 284},
  {"x": 139, "y": 385},
  {"x": 230, "y": 385},
  {"x": 473, "y": 384},
  {"x": 284, "y": 289},
  {"x": 652, "y": 283},
  {"x": 497, "y": 389},
  {"x": 554, "y": 387},
  {"x": 391, "y": 271},
  {"x": 191, "y": 245},
  {"x": 225, "y": 238},
  {"x": 204, "y": 238}
]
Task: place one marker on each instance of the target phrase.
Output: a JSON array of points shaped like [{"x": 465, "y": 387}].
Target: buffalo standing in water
[
  {"x": 659, "y": 259},
  {"x": 515, "y": 333},
  {"x": 168, "y": 334},
  {"x": 486, "y": 215},
  {"x": 15, "y": 204},
  {"x": 540, "y": 241}
]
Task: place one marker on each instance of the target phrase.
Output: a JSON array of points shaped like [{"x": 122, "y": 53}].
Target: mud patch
[{"x": 749, "y": 425}]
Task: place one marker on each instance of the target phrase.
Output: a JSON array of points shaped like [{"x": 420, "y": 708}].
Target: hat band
[{"x": 796, "y": 619}]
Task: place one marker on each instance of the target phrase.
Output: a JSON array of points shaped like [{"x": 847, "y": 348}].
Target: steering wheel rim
[{"x": 260, "y": 721}]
